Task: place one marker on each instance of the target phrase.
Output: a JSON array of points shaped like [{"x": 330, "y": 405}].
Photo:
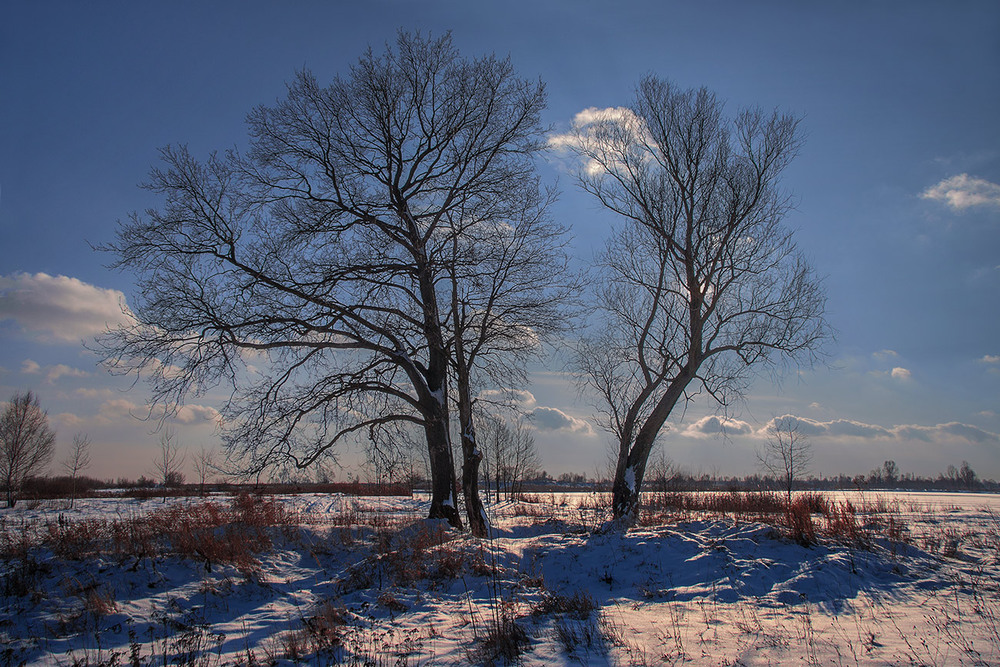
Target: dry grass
[
  {"x": 808, "y": 518},
  {"x": 209, "y": 532}
]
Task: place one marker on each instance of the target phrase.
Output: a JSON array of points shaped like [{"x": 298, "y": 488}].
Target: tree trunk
[
  {"x": 444, "y": 505},
  {"x": 627, "y": 488},
  {"x": 475, "y": 511},
  {"x": 472, "y": 456},
  {"x": 628, "y": 477}
]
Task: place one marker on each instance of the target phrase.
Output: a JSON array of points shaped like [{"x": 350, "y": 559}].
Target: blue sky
[{"x": 897, "y": 190}]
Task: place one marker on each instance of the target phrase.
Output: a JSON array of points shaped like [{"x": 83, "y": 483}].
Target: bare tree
[
  {"x": 890, "y": 472},
  {"x": 325, "y": 249},
  {"x": 662, "y": 472},
  {"x": 169, "y": 461},
  {"x": 702, "y": 283},
  {"x": 510, "y": 452},
  {"x": 786, "y": 454},
  {"x": 26, "y": 442},
  {"x": 511, "y": 291},
  {"x": 79, "y": 460},
  {"x": 204, "y": 465},
  {"x": 968, "y": 476},
  {"x": 523, "y": 457}
]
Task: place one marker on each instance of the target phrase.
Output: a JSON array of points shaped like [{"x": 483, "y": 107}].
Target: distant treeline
[
  {"x": 666, "y": 477},
  {"x": 962, "y": 478},
  {"x": 40, "y": 488}
]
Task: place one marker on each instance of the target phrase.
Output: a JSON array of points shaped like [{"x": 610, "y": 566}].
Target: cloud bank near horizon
[{"x": 843, "y": 429}]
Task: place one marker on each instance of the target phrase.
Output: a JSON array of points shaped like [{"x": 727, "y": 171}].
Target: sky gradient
[{"x": 898, "y": 202}]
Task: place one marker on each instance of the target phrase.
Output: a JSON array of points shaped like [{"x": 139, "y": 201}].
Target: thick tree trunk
[
  {"x": 444, "y": 504},
  {"x": 625, "y": 494},
  {"x": 631, "y": 469}
]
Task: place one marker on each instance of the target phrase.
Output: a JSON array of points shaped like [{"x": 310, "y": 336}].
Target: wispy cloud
[
  {"x": 53, "y": 372},
  {"x": 964, "y": 191},
  {"x": 59, "y": 308},
  {"x": 900, "y": 373}
]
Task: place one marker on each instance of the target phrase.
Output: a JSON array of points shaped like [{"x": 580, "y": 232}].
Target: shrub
[
  {"x": 800, "y": 522},
  {"x": 579, "y": 605}
]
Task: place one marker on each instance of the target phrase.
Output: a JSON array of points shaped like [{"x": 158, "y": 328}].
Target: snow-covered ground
[{"x": 368, "y": 581}]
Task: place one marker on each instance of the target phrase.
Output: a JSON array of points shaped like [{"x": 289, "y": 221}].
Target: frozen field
[{"x": 316, "y": 579}]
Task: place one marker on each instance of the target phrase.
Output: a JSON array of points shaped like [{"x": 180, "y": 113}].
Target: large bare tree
[
  {"x": 26, "y": 442},
  {"x": 702, "y": 282},
  {"x": 324, "y": 249}
]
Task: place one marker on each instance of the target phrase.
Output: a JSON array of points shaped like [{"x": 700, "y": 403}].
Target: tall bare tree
[
  {"x": 324, "y": 247},
  {"x": 786, "y": 454},
  {"x": 26, "y": 442},
  {"x": 78, "y": 461},
  {"x": 512, "y": 291},
  {"x": 702, "y": 282}
]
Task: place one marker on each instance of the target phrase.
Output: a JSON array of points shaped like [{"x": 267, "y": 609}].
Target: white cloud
[
  {"x": 116, "y": 411},
  {"x": 833, "y": 428},
  {"x": 900, "y": 373},
  {"x": 606, "y": 132},
  {"x": 553, "y": 419},
  {"x": 52, "y": 373},
  {"x": 950, "y": 432},
  {"x": 883, "y": 355},
  {"x": 715, "y": 425},
  {"x": 59, "y": 308},
  {"x": 520, "y": 398},
  {"x": 118, "y": 408},
  {"x": 622, "y": 116},
  {"x": 990, "y": 359},
  {"x": 964, "y": 191},
  {"x": 542, "y": 418},
  {"x": 193, "y": 414}
]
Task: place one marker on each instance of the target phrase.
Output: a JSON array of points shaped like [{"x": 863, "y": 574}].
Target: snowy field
[{"x": 319, "y": 579}]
